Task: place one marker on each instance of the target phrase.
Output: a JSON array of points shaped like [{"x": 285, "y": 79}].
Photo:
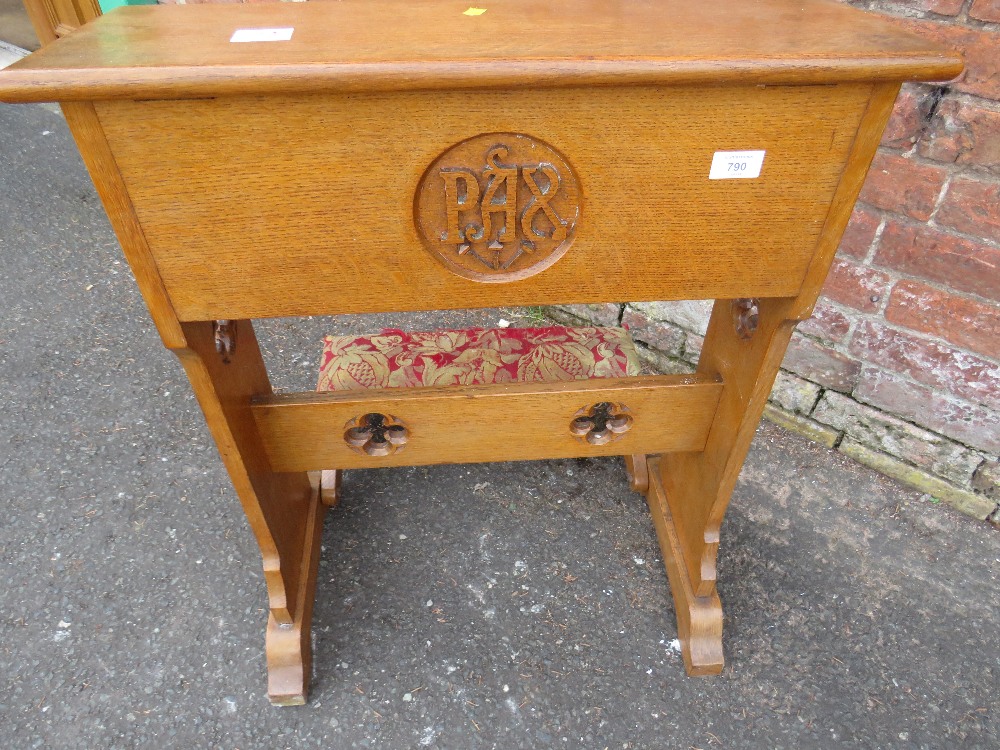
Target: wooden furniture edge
[
  {"x": 100, "y": 161},
  {"x": 699, "y": 618},
  {"x": 53, "y": 19},
  {"x": 180, "y": 82},
  {"x": 388, "y": 395},
  {"x": 866, "y": 142},
  {"x": 288, "y": 646}
]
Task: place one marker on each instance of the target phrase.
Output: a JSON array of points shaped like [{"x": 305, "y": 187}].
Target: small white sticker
[
  {"x": 261, "y": 35},
  {"x": 736, "y": 165}
]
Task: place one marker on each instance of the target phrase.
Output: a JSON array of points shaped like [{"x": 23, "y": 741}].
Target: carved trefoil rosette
[
  {"x": 601, "y": 423},
  {"x": 498, "y": 207},
  {"x": 376, "y": 434}
]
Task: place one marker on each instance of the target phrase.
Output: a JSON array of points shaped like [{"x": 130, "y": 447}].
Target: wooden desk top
[{"x": 184, "y": 51}]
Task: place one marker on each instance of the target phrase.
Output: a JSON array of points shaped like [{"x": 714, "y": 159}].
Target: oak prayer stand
[{"x": 260, "y": 161}]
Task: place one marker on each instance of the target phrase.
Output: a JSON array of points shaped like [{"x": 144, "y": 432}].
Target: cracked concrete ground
[{"x": 484, "y": 606}]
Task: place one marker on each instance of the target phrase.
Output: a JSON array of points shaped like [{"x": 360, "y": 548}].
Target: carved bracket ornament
[
  {"x": 376, "y": 434},
  {"x": 224, "y": 332},
  {"x": 746, "y": 316},
  {"x": 601, "y": 423},
  {"x": 498, "y": 207}
]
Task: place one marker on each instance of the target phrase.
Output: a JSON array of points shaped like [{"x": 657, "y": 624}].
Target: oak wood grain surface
[
  {"x": 465, "y": 424},
  {"x": 94, "y": 149},
  {"x": 282, "y": 206},
  {"x": 368, "y": 45}
]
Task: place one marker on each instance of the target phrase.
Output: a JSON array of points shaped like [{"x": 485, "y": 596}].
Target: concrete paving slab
[{"x": 488, "y": 606}]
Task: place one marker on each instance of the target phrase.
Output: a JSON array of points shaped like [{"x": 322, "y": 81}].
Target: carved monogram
[{"x": 498, "y": 207}]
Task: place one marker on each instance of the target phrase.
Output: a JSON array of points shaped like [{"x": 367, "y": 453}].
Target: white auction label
[
  {"x": 262, "y": 35},
  {"x": 736, "y": 165}
]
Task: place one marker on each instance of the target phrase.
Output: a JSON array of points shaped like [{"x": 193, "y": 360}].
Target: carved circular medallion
[{"x": 498, "y": 207}]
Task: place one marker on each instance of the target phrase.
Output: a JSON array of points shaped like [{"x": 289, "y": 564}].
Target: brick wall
[{"x": 899, "y": 367}]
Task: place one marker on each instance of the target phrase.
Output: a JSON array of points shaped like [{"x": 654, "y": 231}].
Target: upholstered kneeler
[{"x": 476, "y": 356}]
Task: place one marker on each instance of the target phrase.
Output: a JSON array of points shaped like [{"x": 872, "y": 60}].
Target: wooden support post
[
  {"x": 698, "y": 485},
  {"x": 284, "y": 509},
  {"x": 699, "y": 618},
  {"x": 689, "y": 492},
  {"x": 289, "y": 645},
  {"x": 637, "y": 468},
  {"x": 744, "y": 345}
]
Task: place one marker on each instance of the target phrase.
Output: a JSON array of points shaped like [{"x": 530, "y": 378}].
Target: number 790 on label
[{"x": 736, "y": 165}]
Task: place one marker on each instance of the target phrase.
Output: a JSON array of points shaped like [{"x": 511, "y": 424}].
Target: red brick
[
  {"x": 956, "y": 319},
  {"x": 962, "y": 133},
  {"x": 856, "y": 286},
  {"x": 971, "y": 424},
  {"x": 822, "y": 365},
  {"x": 978, "y": 47},
  {"x": 896, "y": 183},
  {"x": 973, "y": 207},
  {"x": 909, "y": 117},
  {"x": 827, "y": 322},
  {"x": 860, "y": 233},
  {"x": 924, "y": 251},
  {"x": 929, "y": 362},
  {"x": 986, "y": 10}
]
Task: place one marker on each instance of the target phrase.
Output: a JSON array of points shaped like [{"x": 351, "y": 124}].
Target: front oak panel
[{"x": 304, "y": 205}]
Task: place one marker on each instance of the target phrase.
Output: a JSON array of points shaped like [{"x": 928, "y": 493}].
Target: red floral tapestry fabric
[{"x": 477, "y": 356}]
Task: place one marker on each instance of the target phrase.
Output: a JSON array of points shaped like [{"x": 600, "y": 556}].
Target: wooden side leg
[
  {"x": 289, "y": 645},
  {"x": 284, "y": 509},
  {"x": 699, "y": 618},
  {"x": 698, "y": 485},
  {"x": 743, "y": 347},
  {"x": 637, "y": 469},
  {"x": 689, "y": 492},
  {"x": 329, "y": 488}
]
